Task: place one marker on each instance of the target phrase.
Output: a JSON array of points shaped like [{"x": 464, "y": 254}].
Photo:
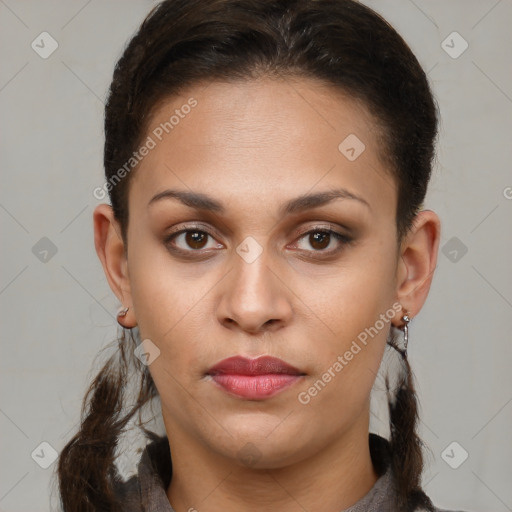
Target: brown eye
[
  {"x": 196, "y": 239},
  {"x": 319, "y": 239},
  {"x": 190, "y": 240}
]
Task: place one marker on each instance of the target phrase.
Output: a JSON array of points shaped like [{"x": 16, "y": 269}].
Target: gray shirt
[{"x": 147, "y": 492}]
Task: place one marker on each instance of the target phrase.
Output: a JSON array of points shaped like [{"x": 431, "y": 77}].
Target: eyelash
[{"x": 341, "y": 238}]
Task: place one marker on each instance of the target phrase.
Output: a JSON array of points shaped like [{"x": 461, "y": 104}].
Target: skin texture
[{"x": 253, "y": 146}]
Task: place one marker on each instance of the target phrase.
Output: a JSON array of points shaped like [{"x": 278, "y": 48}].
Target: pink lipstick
[{"x": 254, "y": 379}]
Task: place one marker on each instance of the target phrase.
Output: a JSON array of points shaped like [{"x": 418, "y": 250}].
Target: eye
[
  {"x": 190, "y": 240},
  {"x": 194, "y": 239},
  {"x": 320, "y": 239}
]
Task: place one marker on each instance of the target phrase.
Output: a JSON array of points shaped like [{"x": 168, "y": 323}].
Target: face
[{"x": 245, "y": 265}]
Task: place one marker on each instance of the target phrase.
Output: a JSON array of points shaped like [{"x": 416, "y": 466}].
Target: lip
[
  {"x": 254, "y": 379},
  {"x": 263, "y": 365}
]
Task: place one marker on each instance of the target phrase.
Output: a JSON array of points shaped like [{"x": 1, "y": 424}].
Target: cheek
[
  {"x": 351, "y": 298},
  {"x": 157, "y": 293},
  {"x": 166, "y": 311},
  {"x": 354, "y": 310},
  {"x": 171, "y": 302},
  {"x": 346, "y": 370}
]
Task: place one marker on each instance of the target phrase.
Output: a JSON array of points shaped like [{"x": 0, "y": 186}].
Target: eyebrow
[{"x": 201, "y": 201}]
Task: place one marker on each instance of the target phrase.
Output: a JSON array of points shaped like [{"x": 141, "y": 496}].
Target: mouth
[{"x": 254, "y": 379}]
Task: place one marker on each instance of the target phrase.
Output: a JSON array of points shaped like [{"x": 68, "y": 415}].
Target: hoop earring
[{"x": 406, "y": 319}]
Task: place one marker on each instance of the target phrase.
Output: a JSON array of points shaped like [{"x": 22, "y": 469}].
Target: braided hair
[{"x": 183, "y": 42}]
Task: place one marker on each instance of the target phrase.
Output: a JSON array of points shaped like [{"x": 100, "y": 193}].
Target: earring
[
  {"x": 406, "y": 319},
  {"x": 122, "y": 313}
]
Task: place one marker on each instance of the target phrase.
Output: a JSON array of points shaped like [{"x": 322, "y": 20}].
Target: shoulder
[
  {"x": 149, "y": 485},
  {"x": 380, "y": 451},
  {"x": 128, "y": 493},
  {"x": 435, "y": 509},
  {"x": 444, "y": 510}
]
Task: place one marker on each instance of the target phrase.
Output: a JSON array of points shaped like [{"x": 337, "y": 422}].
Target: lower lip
[{"x": 255, "y": 387}]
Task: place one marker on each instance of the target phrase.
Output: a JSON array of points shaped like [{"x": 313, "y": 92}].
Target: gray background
[{"x": 57, "y": 314}]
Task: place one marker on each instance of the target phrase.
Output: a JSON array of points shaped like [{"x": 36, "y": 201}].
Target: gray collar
[{"x": 155, "y": 470}]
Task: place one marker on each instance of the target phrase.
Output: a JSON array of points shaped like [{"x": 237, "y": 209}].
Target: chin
[{"x": 259, "y": 446}]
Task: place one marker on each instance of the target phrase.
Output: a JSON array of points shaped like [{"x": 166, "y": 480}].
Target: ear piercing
[
  {"x": 122, "y": 313},
  {"x": 406, "y": 319}
]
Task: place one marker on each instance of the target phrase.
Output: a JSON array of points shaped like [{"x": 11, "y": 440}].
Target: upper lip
[{"x": 263, "y": 365}]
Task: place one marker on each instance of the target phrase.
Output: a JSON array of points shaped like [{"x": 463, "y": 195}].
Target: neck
[{"x": 332, "y": 479}]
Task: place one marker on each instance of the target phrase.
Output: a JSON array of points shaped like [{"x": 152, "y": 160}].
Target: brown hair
[{"x": 184, "y": 42}]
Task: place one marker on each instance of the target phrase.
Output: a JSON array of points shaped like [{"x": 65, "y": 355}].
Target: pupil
[
  {"x": 322, "y": 237},
  {"x": 194, "y": 239}
]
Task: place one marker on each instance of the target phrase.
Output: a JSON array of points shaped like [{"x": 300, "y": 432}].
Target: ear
[
  {"x": 111, "y": 252},
  {"x": 417, "y": 262}
]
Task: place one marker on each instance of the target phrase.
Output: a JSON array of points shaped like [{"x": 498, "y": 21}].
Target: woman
[{"x": 266, "y": 162}]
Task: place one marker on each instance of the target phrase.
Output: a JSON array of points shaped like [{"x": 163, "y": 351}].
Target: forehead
[{"x": 263, "y": 138}]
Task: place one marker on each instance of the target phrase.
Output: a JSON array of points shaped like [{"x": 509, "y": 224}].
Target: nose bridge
[
  {"x": 252, "y": 276},
  {"x": 254, "y": 295}
]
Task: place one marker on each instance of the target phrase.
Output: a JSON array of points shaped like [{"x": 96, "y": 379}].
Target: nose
[{"x": 255, "y": 297}]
